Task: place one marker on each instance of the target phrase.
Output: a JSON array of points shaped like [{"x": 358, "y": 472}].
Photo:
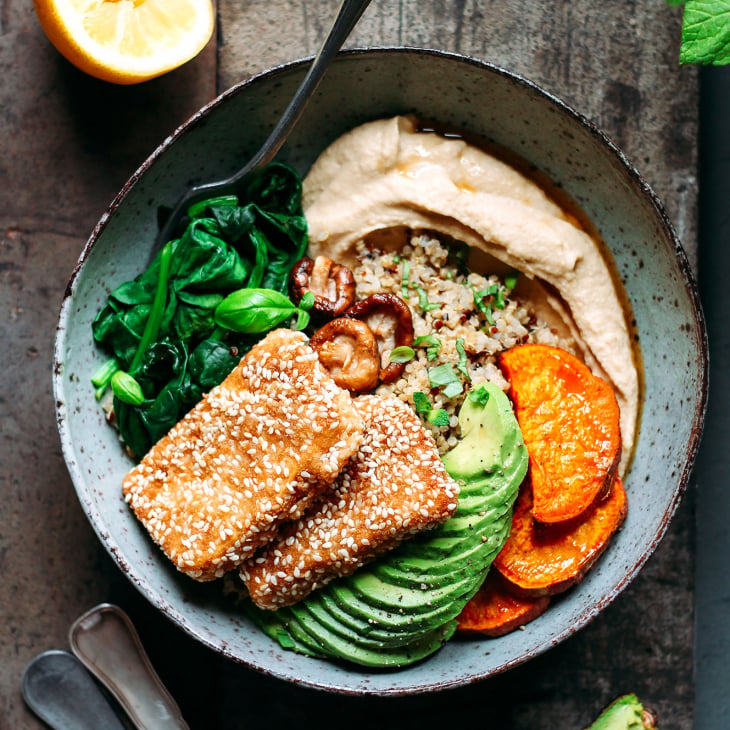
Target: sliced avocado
[
  {"x": 391, "y": 596},
  {"x": 424, "y": 645},
  {"x": 352, "y": 610},
  {"x": 488, "y": 434},
  {"x": 397, "y": 630},
  {"x": 625, "y": 713},
  {"x": 273, "y": 625},
  {"x": 371, "y": 635},
  {"x": 320, "y": 621},
  {"x": 401, "y": 608}
]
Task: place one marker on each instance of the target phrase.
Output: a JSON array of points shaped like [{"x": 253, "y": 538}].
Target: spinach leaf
[
  {"x": 211, "y": 361},
  {"x": 161, "y": 327}
]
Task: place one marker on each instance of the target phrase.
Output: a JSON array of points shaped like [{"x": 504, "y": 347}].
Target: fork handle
[{"x": 348, "y": 15}]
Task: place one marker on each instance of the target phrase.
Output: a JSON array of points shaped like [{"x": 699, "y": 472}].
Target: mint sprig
[{"x": 705, "y": 32}]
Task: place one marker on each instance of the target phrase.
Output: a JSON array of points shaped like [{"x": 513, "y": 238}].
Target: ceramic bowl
[{"x": 459, "y": 93}]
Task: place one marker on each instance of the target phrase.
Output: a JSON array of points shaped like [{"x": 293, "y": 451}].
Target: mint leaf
[{"x": 705, "y": 32}]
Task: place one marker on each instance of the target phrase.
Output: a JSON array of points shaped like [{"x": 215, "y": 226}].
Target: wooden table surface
[{"x": 68, "y": 143}]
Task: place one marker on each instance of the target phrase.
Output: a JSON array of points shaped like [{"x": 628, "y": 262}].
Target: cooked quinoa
[{"x": 461, "y": 334}]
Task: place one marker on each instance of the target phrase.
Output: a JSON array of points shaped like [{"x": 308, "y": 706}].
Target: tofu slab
[
  {"x": 253, "y": 453},
  {"x": 393, "y": 487}
]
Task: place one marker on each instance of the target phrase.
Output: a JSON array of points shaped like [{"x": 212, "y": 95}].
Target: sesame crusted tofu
[
  {"x": 393, "y": 487},
  {"x": 253, "y": 453}
]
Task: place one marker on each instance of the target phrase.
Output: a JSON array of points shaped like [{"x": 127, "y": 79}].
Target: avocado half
[
  {"x": 625, "y": 713},
  {"x": 403, "y": 606}
]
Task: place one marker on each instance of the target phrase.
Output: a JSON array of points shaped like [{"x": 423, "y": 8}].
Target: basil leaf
[
  {"x": 303, "y": 318},
  {"x": 307, "y": 300},
  {"x": 253, "y": 311}
]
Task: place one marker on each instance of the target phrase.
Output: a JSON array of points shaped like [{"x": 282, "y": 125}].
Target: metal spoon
[
  {"x": 349, "y": 13},
  {"x": 107, "y": 643},
  {"x": 57, "y": 687}
]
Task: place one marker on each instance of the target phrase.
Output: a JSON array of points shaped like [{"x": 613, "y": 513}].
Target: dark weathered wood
[{"x": 67, "y": 143}]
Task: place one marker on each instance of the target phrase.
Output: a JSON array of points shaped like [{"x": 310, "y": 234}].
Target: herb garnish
[
  {"x": 255, "y": 311},
  {"x": 433, "y": 345},
  {"x": 435, "y": 416},
  {"x": 484, "y": 299},
  {"x": 423, "y": 302},
  {"x": 461, "y": 365},
  {"x": 479, "y": 395},
  {"x": 444, "y": 376},
  {"x": 126, "y": 388},
  {"x": 404, "y": 283},
  {"x": 402, "y": 353}
]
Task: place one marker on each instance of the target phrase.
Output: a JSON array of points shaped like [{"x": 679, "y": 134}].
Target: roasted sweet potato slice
[
  {"x": 569, "y": 418},
  {"x": 493, "y": 611},
  {"x": 542, "y": 560}
]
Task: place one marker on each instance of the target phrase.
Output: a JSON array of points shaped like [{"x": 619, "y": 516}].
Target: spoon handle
[
  {"x": 107, "y": 643},
  {"x": 348, "y": 15},
  {"x": 60, "y": 691}
]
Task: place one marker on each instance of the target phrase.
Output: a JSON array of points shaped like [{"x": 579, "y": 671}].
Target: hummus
[{"x": 386, "y": 177}]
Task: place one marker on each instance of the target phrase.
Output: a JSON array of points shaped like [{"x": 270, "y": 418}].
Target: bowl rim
[{"x": 688, "y": 279}]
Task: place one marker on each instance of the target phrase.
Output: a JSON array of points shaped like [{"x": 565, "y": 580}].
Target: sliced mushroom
[
  {"x": 389, "y": 317},
  {"x": 332, "y": 284},
  {"x": 349, "y": 350}
]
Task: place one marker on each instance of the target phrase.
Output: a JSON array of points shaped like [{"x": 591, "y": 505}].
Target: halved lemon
[{"x": 127, "y": 41}]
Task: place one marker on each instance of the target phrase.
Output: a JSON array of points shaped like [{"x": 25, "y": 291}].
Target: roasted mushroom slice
[
  {"x": 389, "y": 317},
  {"x": 348, "y": 349},
  {"x": 332, "y": 284}
]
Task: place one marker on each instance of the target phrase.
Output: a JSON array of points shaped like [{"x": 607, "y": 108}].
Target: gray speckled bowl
[{"x": 458, "y": 93}]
